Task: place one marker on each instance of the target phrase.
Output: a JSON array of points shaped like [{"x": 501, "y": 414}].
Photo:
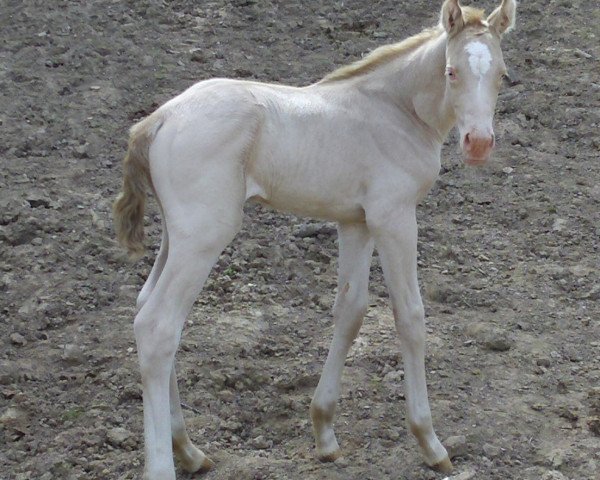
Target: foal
[{"x": 361, "y": 147}]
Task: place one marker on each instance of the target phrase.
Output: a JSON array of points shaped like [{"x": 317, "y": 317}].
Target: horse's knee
[
  {"x": 350, "y": 307},
  {"x": 351, "y": 300},
  {"x": 156, "y": 343},
  {"x": 410, "y": 323}
]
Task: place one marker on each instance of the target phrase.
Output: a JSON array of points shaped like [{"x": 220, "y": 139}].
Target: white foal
[{"x": 361, "y": 147}]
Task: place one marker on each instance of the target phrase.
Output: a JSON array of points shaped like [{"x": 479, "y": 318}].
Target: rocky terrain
[{"x": 509, "y": 255}]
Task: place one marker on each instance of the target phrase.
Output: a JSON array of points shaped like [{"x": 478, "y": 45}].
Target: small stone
[
  {"x": 594, "y": 400},
  {"x": 13, "y": 416},
  {"x": 39, "y": 201},
  {"x": 562, "y": 387},
  {"x": 568, "y": 412},
  {"x": 543, "y": 362},
  {"x": 456, "y": 446},
  {"x": 313, "y": 229},
  {"x": 581, "y": 54},
  {"x": 497, "y": 345},
  {"x": 73, "y": 354},
  {"x": 554, "y": 458},
  {"x": 18, "y": 339},
  {"x": 197, "y": 55},
  {"x": 466, "y": 475},
  {"x": 489, "y": 337},
  {"x": 81, "y": 151},
  {"x": 226, "y": 396},
  {"x": 559, "y": 225},
  {"x": 594, "y": 425},
  {"x": 491, "y": 451},
  {"x": 232, "y": 426},
  {"x": 392, "y": 434},
  {"x": 261, "y": 443},
  {"x": 395, "y": 376},
  {"x": 553, "y": 475},
  {"x": 118, "y": 436}
]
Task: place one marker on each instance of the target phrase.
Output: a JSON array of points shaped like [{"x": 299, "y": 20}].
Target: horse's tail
[{"x": 128, "y": 209}]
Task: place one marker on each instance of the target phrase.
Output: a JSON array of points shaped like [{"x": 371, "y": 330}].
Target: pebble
[
  {"x": 13, "y": 417},
  {"x": 543, "y": 362},
  {"x": 118, "y": 436},
  {"x": 394, "y": 376},
  {"x": 226, "y": 396},
  {"x": 594, "y": 400},
  {"x": 491, "y": 450},
  {"x": 261, "y": 443},
  {"x": 18, "y": 339},
  {"x": 466, "y": 475},
  {"x": 73, "y": 354},
  {"x": 456, "y": 445},
  {"x": 594, "y": 425},
  {"x": 496, "y": 340},
  {"x": 313, "y": 229},
  {"x": 581, "y": 54},
  {"x": 553, "y": 475}
]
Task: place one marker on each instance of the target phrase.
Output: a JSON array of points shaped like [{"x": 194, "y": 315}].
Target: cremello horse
[{"x": 360, "y": 147}]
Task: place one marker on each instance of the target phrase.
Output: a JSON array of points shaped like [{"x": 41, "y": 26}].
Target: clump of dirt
[{"x": 508, "y": 255}]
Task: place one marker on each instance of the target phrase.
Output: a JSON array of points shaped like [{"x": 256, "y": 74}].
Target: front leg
[
  {"x": 356, "y": 248},
  {"x": 396, "y": 242}
]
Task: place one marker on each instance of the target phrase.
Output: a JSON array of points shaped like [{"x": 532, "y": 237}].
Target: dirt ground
[{"x": 509, "y": 255}]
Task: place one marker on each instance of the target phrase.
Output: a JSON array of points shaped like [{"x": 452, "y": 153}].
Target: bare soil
[{"x": 509, "y": 255}]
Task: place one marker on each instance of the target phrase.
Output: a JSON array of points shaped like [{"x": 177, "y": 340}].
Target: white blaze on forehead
[{"x": 480, "y": 58}]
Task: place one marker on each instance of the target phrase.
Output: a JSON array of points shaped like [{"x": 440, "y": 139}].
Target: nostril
[
  {"x": 467, "y": 140},
  {"x": 492, "y": 141}
]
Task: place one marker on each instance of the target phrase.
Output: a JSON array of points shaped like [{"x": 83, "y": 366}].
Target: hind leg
[
  {"x": 197, "y": 174},
  {"x": 157, "y": 269},
  {"x": 157, "y": 329},
  {"x": 199, "y": 228},
  {"x": 190, "y": 457}
]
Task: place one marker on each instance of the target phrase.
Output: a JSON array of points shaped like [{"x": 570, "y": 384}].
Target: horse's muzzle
[{"x": 477, "y": 147}]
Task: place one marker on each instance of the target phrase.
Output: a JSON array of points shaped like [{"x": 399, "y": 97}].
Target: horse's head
[{"x": 474, "y": 72}]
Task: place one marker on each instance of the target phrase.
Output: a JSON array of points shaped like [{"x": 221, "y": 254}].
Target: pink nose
[{"x": 477, "y": 147}]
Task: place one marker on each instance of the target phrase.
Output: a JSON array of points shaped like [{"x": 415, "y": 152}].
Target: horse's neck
[{"x": 417, "y": 84}]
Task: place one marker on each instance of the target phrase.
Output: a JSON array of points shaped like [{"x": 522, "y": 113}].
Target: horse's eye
[{"x": 451, "y": 73}]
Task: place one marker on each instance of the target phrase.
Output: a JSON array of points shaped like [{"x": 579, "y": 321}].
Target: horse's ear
[
  {"x": 503, "y": 18},
  {"x": 451, "y": 16}
]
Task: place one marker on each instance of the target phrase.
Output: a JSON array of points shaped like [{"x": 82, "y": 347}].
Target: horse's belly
[{"x": 327, "y": 202}]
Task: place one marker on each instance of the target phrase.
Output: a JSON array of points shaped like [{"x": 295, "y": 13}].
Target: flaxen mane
[{"x": 387, "y": 53}]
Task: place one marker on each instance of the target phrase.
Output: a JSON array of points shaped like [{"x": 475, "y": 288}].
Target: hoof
[
  {"x": 199, "y": 467},
  {"x": 331, "y": 457},
  {"x": 207, "y": 465},
  {"x": 445, "y": 466}
]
